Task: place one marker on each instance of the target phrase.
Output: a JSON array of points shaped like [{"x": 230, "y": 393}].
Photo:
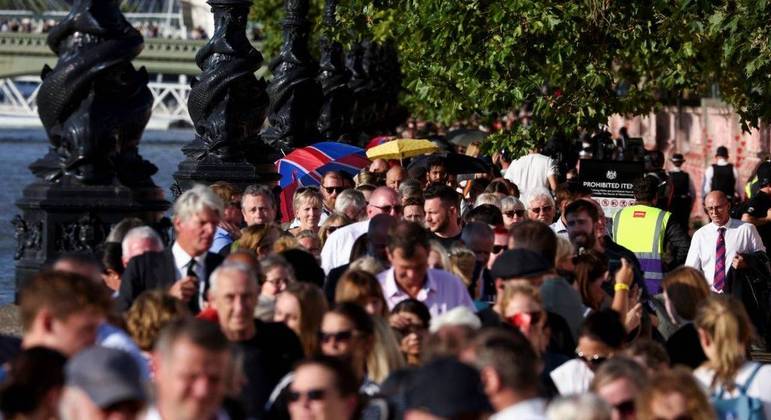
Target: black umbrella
[
  {"x": 465, "y": 136},
  {"x": 457, "y": 164}
]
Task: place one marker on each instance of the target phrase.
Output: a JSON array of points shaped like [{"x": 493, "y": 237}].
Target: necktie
[
  {"x": 719, "y": 280},
  {"x": 194, "y": 306},
  {"x": 191, "y": 269}
]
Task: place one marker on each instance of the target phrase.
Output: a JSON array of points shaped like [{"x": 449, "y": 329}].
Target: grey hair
[
  {"x": 367, "y": 263},
  {"x": 257, "y": 190},
  {"x": 510, "y": 203},
  {"x": 195, "y": 200},
  {"x": 488, "y": 198},
  {"x": 536, "y": 194},
  {"x": 119, "y": 230},
  {"x": 350, "y": 198},
  {"x": 231, "y": 266},
  {"x": 138, "y": 234},
  {"x": 272, "y": 261},
  {"x": 578, "y": 407},
  {"x": 410, "y": 188}
]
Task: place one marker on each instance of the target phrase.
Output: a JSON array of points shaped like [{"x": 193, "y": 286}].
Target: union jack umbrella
[{"x": 308, "y": 164}]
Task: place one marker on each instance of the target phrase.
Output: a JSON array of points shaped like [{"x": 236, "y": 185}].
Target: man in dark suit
[{"x": 184, "y": 268}]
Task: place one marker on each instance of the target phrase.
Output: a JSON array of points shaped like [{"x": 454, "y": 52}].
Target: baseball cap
[
  {"x": 519, "y": 263},
  {"x": 448, "y": 388},
  {"x": 108, "y": 376}
]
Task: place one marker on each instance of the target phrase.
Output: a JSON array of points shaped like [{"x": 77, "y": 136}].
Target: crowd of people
[
  {"x": 148, "y": 29},
  {"x": 402, "y": 292}
]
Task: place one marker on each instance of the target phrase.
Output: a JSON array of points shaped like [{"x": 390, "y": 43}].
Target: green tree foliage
[{"x": 574, "y": 63}]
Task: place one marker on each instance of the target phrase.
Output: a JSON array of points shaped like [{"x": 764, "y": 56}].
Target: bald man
[
  {"x": 395, "y": 176},
  {"x": 337, "y": 248},
  {"x": 717, "y": 246}
]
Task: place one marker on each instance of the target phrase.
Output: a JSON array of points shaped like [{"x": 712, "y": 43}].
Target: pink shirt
[{"x": 441, "y": 292}]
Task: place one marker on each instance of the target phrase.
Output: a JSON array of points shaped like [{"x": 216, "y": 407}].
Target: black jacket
[
  {"x": 155, "y": 270},
  {"x": 752, "y": 285}
]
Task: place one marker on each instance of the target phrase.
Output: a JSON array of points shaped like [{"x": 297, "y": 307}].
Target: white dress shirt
[
  {"x": 740, "y": 238},
  {"x": 337, "y": 248},
  {"x": 181, "y": 262},
  {"x": 559, "y": 228},
  {"x": 533, "y": 409}
]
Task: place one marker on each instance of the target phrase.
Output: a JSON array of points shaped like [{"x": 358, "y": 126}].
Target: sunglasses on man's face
[
  {"x": 497, "y": 249},
  {"x": 331, "y": 190},
  {"x": 311, "y": 395},
  {"x": 511, "y": 213}
]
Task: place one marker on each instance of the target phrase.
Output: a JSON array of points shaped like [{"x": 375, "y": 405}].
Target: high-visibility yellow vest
[
  {"x": 640, "y": 229},
  {"x": 748, "y": 189}
]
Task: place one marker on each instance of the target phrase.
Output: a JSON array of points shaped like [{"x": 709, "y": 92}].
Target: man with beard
[
  {"x": 586, "y": 230},
  {"x": 442, "y": 208}
]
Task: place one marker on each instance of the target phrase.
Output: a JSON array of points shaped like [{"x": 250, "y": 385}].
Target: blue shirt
[{"x": 221, "y": 239}]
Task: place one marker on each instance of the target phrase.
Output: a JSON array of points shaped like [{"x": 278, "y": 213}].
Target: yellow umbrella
[{"x": 401, "y": 149}]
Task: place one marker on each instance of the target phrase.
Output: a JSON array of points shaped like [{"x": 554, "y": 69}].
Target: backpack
[{"x": 741, "y": 407}]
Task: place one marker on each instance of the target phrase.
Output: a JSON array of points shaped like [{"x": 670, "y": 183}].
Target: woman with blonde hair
[
  {"x": 362, "y": 288},
  {"x": 522, "y": 307},
  {"x": 307, "y": 203},
  {"x": 684, "y": 291},
  {"x": 149, "y": 313},
  {"x": 301, "y": 307},
  {"x": 258, "y": 238},
  {"x": 332, "y": 223},
  {"x": 462, "y": 262},
  {"x": 725, "y": 333},
  {"x": 438, "y": 257},
  {"x": 674, "y": 394}
]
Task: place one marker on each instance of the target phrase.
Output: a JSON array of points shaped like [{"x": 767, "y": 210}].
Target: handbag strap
[{"x": 742, "y": 388}]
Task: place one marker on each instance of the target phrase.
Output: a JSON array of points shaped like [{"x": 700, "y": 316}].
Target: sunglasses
[
  {"x": 511, "y": 213},
  {"x": 387, "y": 209},
  {"x": 331, "y": 190},
  {"x": 525, "y": 319},
  {"x": 541, "y": 209},
  {"x": 625, "y": 408},
  {"x": 497, "y": 249},
  {"x": 312, "y": 395},
  {"x": 592, "y": 361},
  {"x": 339, "y": 336},
  {"x": 410, "y": 329}
]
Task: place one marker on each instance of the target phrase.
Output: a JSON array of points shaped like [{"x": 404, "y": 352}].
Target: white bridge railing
[{"x": 18, "y": 102}]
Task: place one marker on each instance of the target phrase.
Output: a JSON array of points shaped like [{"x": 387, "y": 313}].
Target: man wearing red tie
[{"x": 718, "y": 245}]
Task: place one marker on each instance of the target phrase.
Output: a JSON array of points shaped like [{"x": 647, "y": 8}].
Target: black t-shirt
[
  {"x": 758, "y": 207},
  {"x": 267, "y": 357},
  {"x": 448, "y": 243}
]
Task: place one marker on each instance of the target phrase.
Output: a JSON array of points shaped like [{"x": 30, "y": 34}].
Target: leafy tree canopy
[{"x": 572, "y": 63}]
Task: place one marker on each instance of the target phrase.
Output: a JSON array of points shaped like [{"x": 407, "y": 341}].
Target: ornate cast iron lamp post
[
  {"x": 295, "y": 95},
  {"x": 94, "y": 106},
  {"x": 227, "y": 104}
]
